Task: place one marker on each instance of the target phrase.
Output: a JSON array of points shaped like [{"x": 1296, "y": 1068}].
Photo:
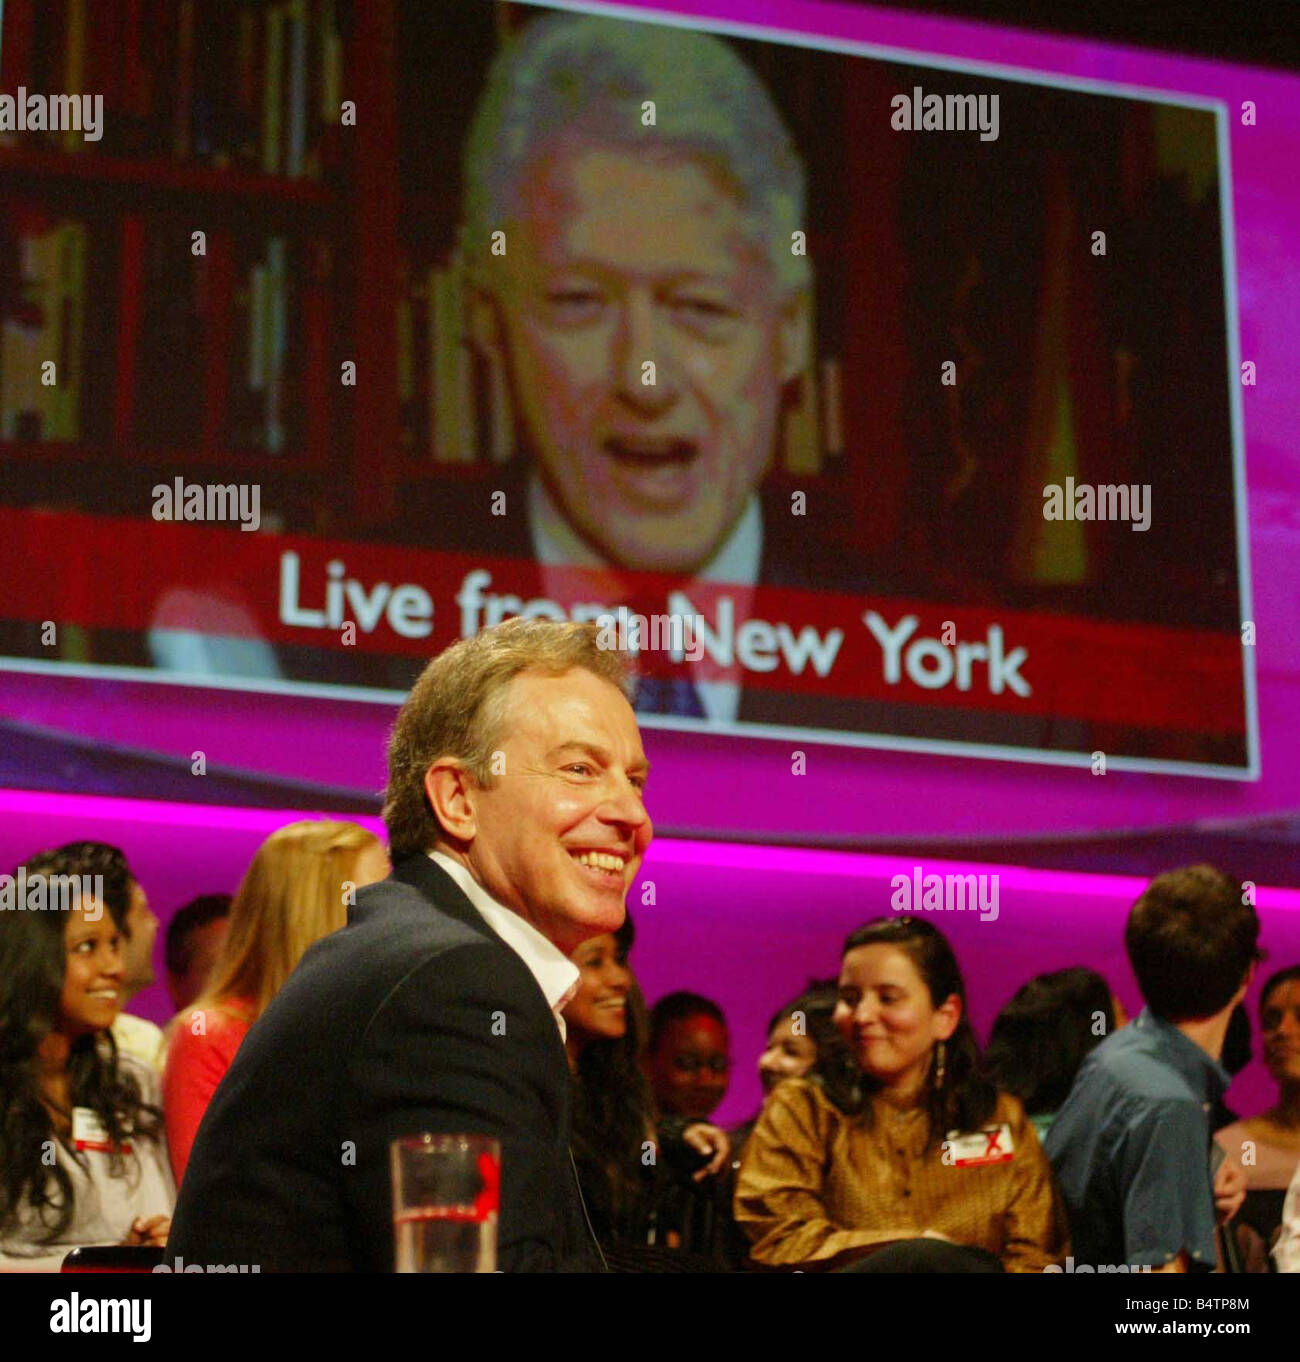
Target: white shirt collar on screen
[
  {"x": 556, "y": 975},
  {"x": 737, "y": 562},
  {"x": 556, "y": 543}
]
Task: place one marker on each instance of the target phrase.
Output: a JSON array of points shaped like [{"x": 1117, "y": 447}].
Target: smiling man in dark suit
[{"x": 516, "y": 821}]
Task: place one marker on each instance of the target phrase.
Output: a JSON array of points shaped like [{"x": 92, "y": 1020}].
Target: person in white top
[
  {"x": 1268, "y": 1145},
  {"x": 82, "y": 1154},
  {"x": 1286, "y": 1252}
]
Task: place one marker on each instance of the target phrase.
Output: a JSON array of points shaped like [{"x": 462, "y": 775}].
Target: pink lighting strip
[{"x": 774, "y": 860}]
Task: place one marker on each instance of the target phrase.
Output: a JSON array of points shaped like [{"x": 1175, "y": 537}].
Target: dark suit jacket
[{"x": 386, "y": 1029}]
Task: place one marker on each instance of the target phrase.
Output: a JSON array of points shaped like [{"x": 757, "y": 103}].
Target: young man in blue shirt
[{"x": 1131, "y": 1146}]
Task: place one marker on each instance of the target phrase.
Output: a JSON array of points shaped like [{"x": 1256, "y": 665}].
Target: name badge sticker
[
  {"x": 992, "y": 1144},
  {"x": 89, "y": 1135}
]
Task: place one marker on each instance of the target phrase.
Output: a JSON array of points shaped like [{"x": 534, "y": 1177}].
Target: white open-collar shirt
[{"x": 557, "y": 976}]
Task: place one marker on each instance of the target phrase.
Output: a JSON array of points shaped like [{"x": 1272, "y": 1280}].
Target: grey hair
[{"x": 581, "y": 73}]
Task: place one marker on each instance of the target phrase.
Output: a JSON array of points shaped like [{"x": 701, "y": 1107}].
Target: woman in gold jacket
[{"x": 927, "y": 1150}]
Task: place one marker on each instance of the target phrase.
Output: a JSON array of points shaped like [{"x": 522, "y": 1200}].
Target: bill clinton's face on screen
[{"x": 626, "y": 258}]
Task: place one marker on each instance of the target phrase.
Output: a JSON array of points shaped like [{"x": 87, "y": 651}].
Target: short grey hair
[{"x": 585, "y": 74}]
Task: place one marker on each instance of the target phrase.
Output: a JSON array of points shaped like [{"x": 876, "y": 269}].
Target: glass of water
[{"x": 446, "y": 1198}]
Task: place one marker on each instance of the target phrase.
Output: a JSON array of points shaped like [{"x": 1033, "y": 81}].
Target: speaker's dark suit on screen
[{"x": 390, "y": 1027}]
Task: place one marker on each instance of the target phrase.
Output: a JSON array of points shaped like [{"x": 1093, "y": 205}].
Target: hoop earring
[{"x": 939, "y": 1066}]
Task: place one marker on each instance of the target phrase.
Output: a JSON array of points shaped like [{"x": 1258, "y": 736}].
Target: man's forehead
[
  {"x": 576, "y": 707},
  {"x": 595, "y": 201}
]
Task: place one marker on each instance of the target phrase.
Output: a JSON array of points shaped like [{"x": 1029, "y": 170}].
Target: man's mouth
[
  {"x": 660, "y": 474},
  {"x": 606, "y": 867},
  {"x": 651, "y": 453}
]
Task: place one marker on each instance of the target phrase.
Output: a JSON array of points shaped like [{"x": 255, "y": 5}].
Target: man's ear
[
  {"x": 451, "y": 791},
  {"x": 796, "y": 334},
  {"x": 1245, "y": 983}
]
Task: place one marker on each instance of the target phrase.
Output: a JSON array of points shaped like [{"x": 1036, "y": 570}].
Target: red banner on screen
[{"x": 372, "y": 598}]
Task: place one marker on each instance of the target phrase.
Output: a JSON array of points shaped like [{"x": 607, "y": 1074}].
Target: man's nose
[
  {"x": 624, "y": 806},
  {"x": 639, "y": 346}
]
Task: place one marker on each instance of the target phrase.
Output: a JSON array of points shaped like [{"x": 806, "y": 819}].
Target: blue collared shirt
[{"x": 1131, "y": 1148}]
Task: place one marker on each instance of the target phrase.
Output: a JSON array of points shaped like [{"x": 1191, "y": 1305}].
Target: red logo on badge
[{"x": 488, "y": 1201}]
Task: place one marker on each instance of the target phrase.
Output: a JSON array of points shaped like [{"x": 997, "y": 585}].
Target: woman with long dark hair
[
  {"x": 82, "y": 1156},
  {"x": 1273, "y": 1137},
  {"x": 613, "y": 1115},
  {"x": 637, "y": 1180},
  {"x": 928, "y": 1150}
]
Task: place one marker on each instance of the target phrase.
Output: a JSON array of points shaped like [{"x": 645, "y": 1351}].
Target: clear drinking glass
[{"x": 446, "y": 1198}]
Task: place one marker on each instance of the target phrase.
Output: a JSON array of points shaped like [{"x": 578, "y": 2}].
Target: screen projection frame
[{"x": 912, "y": 56}]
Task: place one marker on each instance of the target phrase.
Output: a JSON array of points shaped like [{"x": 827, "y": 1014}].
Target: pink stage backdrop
[{"x": 745, "y": 925}]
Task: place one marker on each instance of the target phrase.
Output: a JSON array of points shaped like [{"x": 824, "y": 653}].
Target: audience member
[
  {"x": 190, "y": 948},
  {"x": 930, "y": 1150},
  {"x": 128, "y": 902},
  {"x": 644, "y": 1188},
  {"x": 689, "y": 1056},
  {"x": 516, "y": 818},
  {"x": 1131, "y": 1143},
  {"x": 1286, "y": 1252},
  {"x": 1268, "y": 1145},
  {"x": 613, "y": 1114},
  {"x": 66, "y": 1092},
  {"x": 1044, "y": 1033},
  {"x": 803, "y": 1042},
  {"x": 295, "y": 892}
]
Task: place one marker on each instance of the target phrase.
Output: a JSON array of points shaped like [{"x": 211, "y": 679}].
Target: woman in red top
[{"x": 295, "y": 891}]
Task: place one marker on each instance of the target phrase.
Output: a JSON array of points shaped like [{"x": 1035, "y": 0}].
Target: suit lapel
[{"x": 430, "y": 879}]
